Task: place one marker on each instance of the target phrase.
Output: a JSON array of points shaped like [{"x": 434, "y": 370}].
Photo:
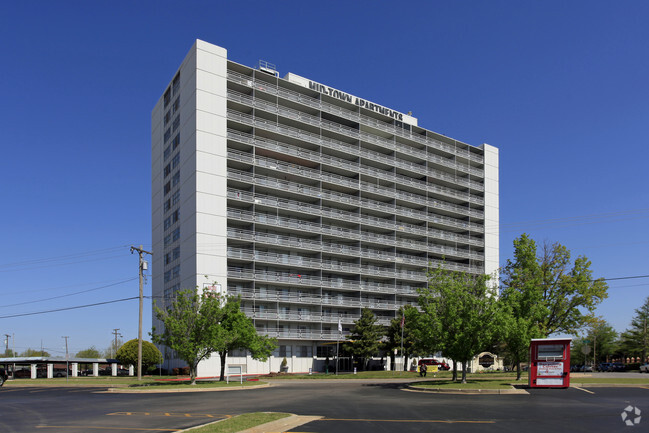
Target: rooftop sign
[{"x": 343, "y": 96}]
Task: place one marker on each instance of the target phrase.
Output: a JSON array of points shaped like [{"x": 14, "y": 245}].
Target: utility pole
[
  {"x": 115, "y": 346},
  {"x": 67, "y": 366},
  {"x": 7, "y": 344},
  {"x": 141, "y": 268}
]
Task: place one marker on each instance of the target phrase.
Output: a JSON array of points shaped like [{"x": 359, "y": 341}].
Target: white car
[{"x": 644, "y": 368}]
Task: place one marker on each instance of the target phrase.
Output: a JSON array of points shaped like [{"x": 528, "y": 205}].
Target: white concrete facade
[{"x": 308, "y": 202}]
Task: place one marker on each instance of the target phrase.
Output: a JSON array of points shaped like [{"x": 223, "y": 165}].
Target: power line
[
  {"x": 68, "y": 308},
  {"x": 63, "y": 257},
  {"x": 69, "y": 294}
]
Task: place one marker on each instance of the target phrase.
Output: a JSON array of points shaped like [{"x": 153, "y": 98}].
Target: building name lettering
[{"x": 355, "y": 100}]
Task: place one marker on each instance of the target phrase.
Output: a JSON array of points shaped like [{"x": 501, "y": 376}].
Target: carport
[{"x": 46, "y": 366}]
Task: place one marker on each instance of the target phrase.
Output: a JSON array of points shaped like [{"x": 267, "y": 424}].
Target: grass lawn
[
  {"x": 471, "y": 384},
  {"x": 167, "y": 382},
  {"x": 185, "y": 384},
  {"x": 241, "y": 422},
  {"x": 387, "y": 375}
]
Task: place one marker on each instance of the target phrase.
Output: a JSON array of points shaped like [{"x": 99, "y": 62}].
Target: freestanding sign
[{"x": 550, "y": 363}]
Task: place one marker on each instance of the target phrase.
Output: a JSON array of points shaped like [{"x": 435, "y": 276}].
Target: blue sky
[{"x": 559, "y": 87}]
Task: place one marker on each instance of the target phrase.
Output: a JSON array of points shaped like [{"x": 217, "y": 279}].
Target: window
[
  {"x": 176, "y": 179},
  {"x": 176, "y": 106},
  {"x": 175, "y": 253},
  {"x": 176, "y": 234},
  {"x": 167, "y": 97},
  {"x": 167, "y": 152},
  {"x": 176, "y": 123},
  {"x": 167, "y": 188},
  {"x": 176, "y": 141},
  {"x": 167, "y": 135},
  {"x": 285, "y": 351},
  {"x": 167, "y": 170},
  {"x": 167, "y": 205},
  {"x": 167, "y": 118},
  {"x": 175, "y": 161},
  {"x": 175, "y": 198},
  {"x": 304, "y": 351},
  {"x": 176, "y": 83}
]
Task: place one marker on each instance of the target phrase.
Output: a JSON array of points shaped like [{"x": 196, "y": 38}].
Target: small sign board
[
  {"x": 549, "y": 369},
  {"x": 233, "y": 370}
]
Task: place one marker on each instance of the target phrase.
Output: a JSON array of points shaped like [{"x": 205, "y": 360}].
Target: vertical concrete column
[
  {"x": 33, "y": 371},
  {"x": 95, "y": 369},
  {"x": 113, "y": 369},
  {"x": 50, "y": 370},
  {"x": 75, "y": 369}
]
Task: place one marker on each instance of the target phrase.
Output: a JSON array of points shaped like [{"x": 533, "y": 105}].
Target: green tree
[
  {"x": 599, "y": 335},
  {"x": 34, "y": 352},
  {"x": 236, "y": 331},
  {"x": 127, "y": 354},
  {"x": 91, "y": 352},
  {"x": 191, "y": 326},
  {"x": 635, "y": 340},
  {"x": 521, "y": 306},
  {"x": 461, "y": 311},
  {"x": 412, "y": 339},
  {"x": 366, "y": 337}
]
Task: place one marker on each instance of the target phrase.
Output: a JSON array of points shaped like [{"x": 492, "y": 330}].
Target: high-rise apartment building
[{"x": 308, "y": 202}]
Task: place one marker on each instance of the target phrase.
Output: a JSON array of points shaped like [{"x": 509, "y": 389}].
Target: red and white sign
[{"x": 549, "y": 369}]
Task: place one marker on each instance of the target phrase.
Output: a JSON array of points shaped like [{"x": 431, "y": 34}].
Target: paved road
[{"x": 348, "y": 406}]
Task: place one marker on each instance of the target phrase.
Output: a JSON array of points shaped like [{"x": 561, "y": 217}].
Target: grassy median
[{"x": 241, "y": 422}]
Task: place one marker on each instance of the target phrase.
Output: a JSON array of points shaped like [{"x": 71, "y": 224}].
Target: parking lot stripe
[{"x": 582, "y": 389}]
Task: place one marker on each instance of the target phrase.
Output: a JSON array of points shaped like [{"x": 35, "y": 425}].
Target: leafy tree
[
  {"x": 521, "y": 306},
  {"x": 598, "y": 335},
  {"x": 236, "y": 331},
  {"x": 565, "y": 292},
  {"x": 9, "y": 354},
  {"x": 91, "y": 352},
  {"x": 366, "y": 337},
  {"x": 191, "y": 326},
  {"x": 34, "y": 352},
  {"x": 461, "y": 310},
  {"x": 127, "y": 354},
  {"x": 635, "y": 340},
  {"x": 412, "y": 339}
]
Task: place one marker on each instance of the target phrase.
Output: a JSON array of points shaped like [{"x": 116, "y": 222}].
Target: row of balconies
[
  {"x": 299, "y": 334},
  {"x": 337, "y": 300},
  {"x": 317, "y": 281},
  {"x": 317, "y": 139},
  {"x": 350, "y": 115},
  {"x": 311, "y": 245},
  {"x": 293, "y": 205},
  {"x": 285, "y": 185},
  {"x": 313, "y": 263},
  {"x": 310, "y": 317},
  {"x": 355, "y": 234},
  {"x": 300, "y": 170},
  {"x": 319, "y": 157}
]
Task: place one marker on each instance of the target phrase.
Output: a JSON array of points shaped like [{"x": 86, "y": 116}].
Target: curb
[
  {"x": 162, "y": 391},
  {"x": 513, "y": 391}
]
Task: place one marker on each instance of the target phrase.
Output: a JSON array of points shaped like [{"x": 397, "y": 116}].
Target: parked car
[
  {"x": 617, "y": 366},
  {"x": 586, "y": 368},
  {"x": 644, "y": 368},
  {"x": 604, "y": 366},
  {"x": 3, "y": 376},
  {"x": 441, "y": 365}
]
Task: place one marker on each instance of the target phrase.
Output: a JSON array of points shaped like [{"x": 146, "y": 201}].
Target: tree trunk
[
  {"x": 454, "y": 371},
  {"x": 463, "y": 371},
  {"x": 518, "y": 370},
  {"x": 192, "y": 373},
  {"x": 393, "y": 365},
  {"x": 223, "y": 355}
]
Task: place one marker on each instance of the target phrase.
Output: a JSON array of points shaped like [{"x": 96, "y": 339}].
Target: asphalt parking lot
[{"x": 346, "y": 405}]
